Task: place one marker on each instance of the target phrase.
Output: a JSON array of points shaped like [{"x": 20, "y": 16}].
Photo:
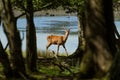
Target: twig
[{"x": 61, "y": 65}]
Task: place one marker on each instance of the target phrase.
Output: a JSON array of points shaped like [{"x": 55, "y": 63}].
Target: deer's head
[{"x": 67, "y": 30}]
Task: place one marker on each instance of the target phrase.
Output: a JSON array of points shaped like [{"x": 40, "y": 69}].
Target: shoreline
[
  {"x": 51, "y": 12},
  {"x": 116, "y": 15},
  {"x": 59, "y": 12}
]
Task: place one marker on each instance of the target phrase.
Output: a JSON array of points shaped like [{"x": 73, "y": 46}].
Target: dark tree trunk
[
  {"x": 100, "y": 38},
  {"x": 81, "y": 41},
  {"x": 115, "y": 69},
  {"x": 5, "y": 62},
  {"x": 108, "y": 15},
  {"x": 31, "y": 38},
  {"x": 13, "y": 36},
  {"x": 114, "y": 72},
  {"x": 78, "y": 54}
]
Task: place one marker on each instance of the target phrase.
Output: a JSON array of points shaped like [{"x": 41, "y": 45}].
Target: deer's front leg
[{"x": 47, "y": 46}]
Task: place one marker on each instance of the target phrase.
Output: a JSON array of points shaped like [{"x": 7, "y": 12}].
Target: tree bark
[
  {"x": 13, "y": 36},
  {"x": 81, "y": 41},
  {"x": 114, "y": 73},
  {"x": 100, "y": 38},
  {"x": 109, "y": 23},
  {"x": 78, "y": 54},
  {"x": 5, "y": 62},
  {"x": 31, "y": 39}
]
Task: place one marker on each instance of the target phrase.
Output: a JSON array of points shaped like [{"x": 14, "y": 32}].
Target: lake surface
[{"x": 46, "y": 25}]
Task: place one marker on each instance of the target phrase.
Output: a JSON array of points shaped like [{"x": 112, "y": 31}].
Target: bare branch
[
  {"x": 6, "y": 46},
  {"x": 20, "y": 15},
  {"x": 21, "y": 40}
]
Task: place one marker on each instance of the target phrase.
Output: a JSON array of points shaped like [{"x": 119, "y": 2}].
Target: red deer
[{"x": 58, "y": 40}]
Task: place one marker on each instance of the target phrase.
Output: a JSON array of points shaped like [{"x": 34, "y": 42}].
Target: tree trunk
[
  {"x": 5, "y": 62},
  {"x": 78, "y": 54},
  {"x": 100, "y": 38},
  {"x": 81, "y": 41},
  {"x": 13, "y": 36},
  {"x": 31, "y": 39},
  {"x": 108, "y": 15},
  {"x": 114, "y": 73}
]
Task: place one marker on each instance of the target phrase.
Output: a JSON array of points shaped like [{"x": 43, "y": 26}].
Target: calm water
[{"x": 46, "y": 25}]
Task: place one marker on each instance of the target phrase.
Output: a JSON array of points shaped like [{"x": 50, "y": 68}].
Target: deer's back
[{"x": 54, "y": 39}]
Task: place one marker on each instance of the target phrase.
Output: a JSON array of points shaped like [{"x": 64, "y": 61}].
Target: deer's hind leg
[
  {"x": 47, "y": 46},
  {"x": 65, "y": 49}
]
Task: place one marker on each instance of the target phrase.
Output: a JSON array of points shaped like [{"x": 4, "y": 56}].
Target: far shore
[
  {"x": 59, "y": 12},
  {"x": 48, "y": 13},
  {"x": 53, "y": 13}
]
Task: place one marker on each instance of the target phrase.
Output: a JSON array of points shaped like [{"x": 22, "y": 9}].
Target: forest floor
[
  {"x": 50, "y": 67},
  {"x": 59, "y": 68},
  {"x": 53, "y": 67}
]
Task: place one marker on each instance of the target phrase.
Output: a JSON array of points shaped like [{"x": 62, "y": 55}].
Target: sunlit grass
[
  {"x": 49, "y": 70},
  {"x": 53, "y": 71},
  {"x": 42, "y": 54},
  {"x": 50, "y": 54}
]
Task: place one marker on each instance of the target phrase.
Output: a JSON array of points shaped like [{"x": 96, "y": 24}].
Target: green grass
[
  {"x": 53, "y": 71},
  {"x": 47, "y": 72},
  {"x": 48, "y": 54},
  {"x": 44, "y": 71}
]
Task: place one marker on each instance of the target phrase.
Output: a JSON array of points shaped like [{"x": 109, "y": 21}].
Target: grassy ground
[
  {"x": 55, "y": 68},
  {"x": 51, "y": 68}
]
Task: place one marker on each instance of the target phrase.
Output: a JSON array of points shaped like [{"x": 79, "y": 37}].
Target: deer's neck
[{"x": 66, "y": 36}]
